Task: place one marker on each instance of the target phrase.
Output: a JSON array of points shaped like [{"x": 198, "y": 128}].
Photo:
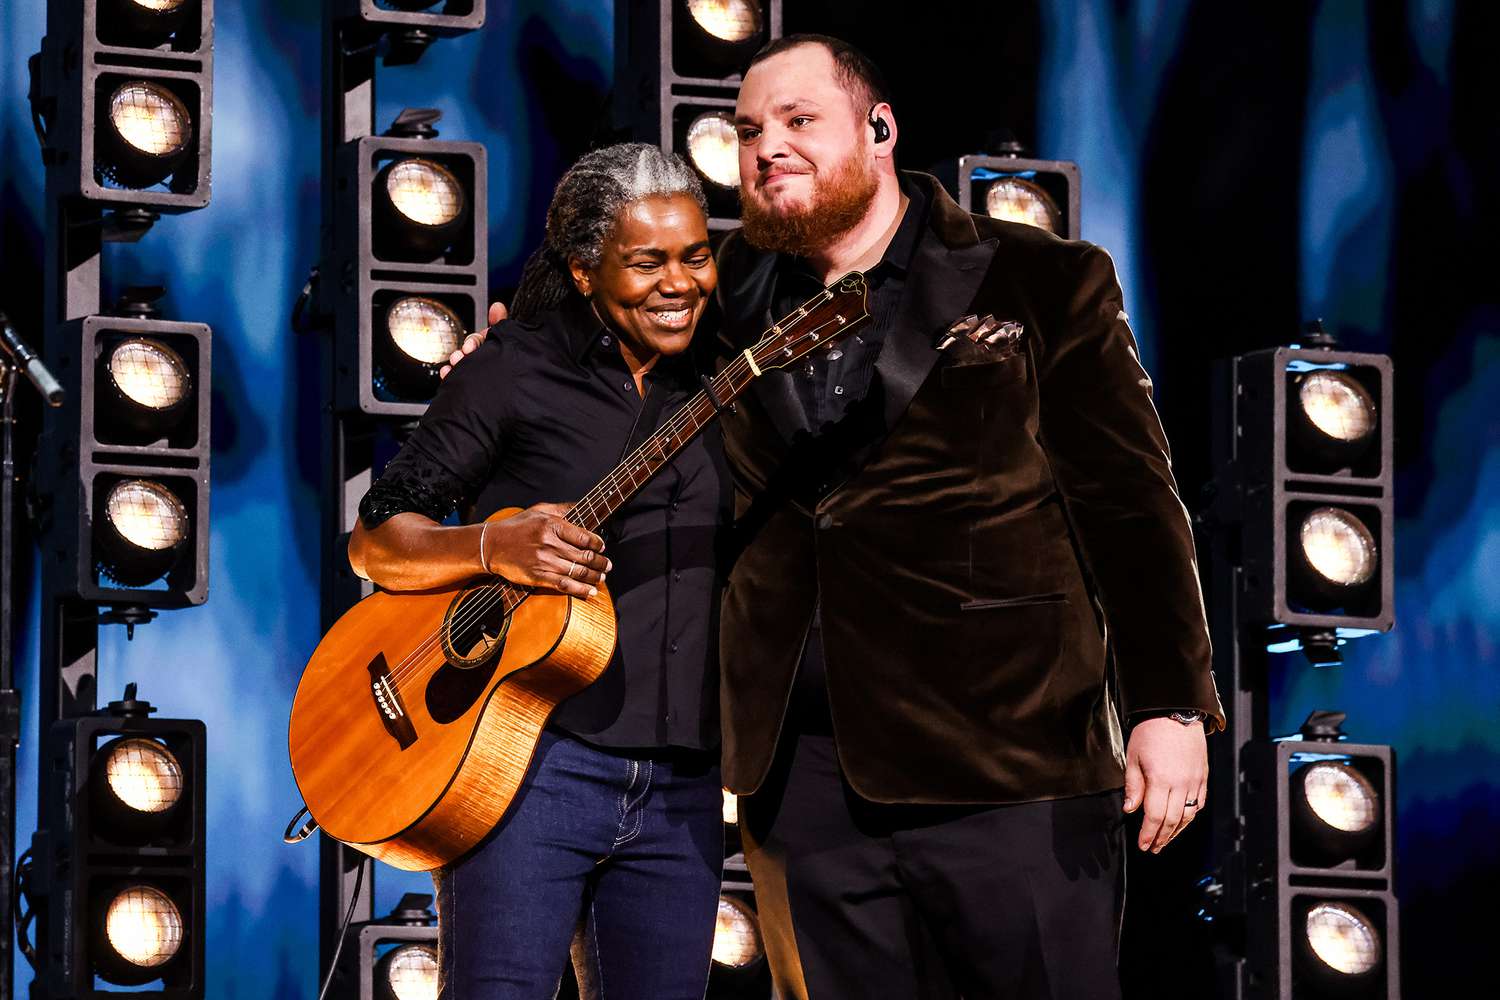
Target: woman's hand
[{"x": 539, "y": 547}]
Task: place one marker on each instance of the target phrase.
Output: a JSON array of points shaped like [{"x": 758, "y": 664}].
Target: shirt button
[
  {"x": 625, "y": 386},
  {"x": 605, "y": 340},
  {"x": 838, "y": 390},
  {"x": 672, "y": 648},
  {"x": 677, "y": 576},
  {"x": 825, "y": 521}
]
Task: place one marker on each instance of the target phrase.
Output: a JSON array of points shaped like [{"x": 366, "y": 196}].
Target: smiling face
[
  {"x": 654, "y": 276},
  {"x": 807, "y": 163}
]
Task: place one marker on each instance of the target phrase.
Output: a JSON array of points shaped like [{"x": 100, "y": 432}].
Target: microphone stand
[{"x": 15, "y": 357}]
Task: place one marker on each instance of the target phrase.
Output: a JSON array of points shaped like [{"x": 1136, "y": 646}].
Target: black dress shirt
[
  {"x": 542, "y": 412},
  {"x": 829, "y": 387}
]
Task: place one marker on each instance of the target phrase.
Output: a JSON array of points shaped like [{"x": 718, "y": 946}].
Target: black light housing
[
  {"x": 712, "y": 39},
  {"x": 1320, "y": 909},
  {"x": 432, "y": 257},
  {"x": 678, "y": 62},
  {"x": 126, "y": 91},
  {"x": 142, "y": 417},
  {"x": 1016, "y": 188},
  {"x": 120, "y": 887},
  {"x": 1308, "y": 487}
]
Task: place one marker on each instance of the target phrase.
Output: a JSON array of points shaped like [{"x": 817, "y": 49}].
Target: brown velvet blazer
[{"x": 999, "y": 555}]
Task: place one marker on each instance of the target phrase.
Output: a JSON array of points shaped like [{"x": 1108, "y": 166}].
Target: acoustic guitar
[{"x": 418, "y": 714}]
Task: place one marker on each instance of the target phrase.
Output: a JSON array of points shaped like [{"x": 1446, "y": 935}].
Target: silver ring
[
  {"x": 1191, "y": 802},
  {"x": 571, "y": 567}
]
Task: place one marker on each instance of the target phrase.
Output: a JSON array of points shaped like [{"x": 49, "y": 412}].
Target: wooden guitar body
[{"x": 418, "y": 714}]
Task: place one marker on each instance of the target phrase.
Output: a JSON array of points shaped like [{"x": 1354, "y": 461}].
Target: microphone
[{"x": 28, "y": 363}]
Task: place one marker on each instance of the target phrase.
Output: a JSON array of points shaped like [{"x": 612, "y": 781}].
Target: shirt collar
[
  {"x": 586, "y": 336},
  {"x": 581, "y": 327}
]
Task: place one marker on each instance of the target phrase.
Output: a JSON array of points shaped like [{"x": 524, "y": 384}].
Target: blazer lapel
[{"x": 941, "y": 285}]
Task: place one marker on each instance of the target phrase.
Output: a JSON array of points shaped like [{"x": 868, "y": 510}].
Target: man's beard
[{"x": 837, "y": 205}]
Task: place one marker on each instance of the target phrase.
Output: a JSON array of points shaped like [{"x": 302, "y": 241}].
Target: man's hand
[
  {"x": 472, "y": 341},
  {"x": 1166, "y": 767}
]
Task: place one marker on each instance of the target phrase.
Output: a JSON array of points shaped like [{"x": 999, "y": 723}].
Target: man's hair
[
  {"x": 854, "y": 70},
  {"x": 585, "y": 207}
]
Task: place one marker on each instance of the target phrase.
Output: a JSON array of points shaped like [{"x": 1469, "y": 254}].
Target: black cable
[
  {"x": 359, "y": 880},
  {"x": 21, "y": 881}
]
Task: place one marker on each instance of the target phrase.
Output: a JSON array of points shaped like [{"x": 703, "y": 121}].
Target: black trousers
[{"x": 859, "y": 899}]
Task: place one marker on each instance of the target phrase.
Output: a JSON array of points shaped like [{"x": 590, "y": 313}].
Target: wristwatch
[{"x": 1189, "y": 717}]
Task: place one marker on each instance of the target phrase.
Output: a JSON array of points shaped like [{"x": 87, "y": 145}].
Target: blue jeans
[{"x": 615, "y": 856}]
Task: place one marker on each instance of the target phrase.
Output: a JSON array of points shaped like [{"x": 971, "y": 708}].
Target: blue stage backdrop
[{"x": 1382, "y": 170}]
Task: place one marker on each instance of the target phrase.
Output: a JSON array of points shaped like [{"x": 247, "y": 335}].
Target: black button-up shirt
[
  {"x": 541, "y": 413},
  {"x": 828, "y": 386}
]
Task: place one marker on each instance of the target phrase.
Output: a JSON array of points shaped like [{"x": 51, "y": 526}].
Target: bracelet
[{"x": 484, "y": 567}]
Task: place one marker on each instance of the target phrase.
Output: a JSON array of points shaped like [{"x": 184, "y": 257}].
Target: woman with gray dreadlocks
[{"x": 614, "y": 845}]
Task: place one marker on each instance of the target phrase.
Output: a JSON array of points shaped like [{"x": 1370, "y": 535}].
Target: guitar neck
[{"x": 627, "y": 478}]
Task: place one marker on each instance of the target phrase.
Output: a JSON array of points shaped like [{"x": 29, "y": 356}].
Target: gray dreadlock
[{"x": 585, "y": 206}]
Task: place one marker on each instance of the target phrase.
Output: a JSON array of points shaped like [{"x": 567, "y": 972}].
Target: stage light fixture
[
  {"x": 713, "y": 148},
  {"x": 677, "y": 72},
  {"x": 737, "y": 942},
  {"x": 1306, "y": 482},
  {"x": 1046, "y": 194},
  {"x": 140, "y": 777},
  {"x": 1342, "y": 939},
  {"x": 142, "y": 930},
  {"x": 1320, "y": 914},
  {"x": 1338, "y": 547},
  {"x": 730, "y": 20},
  {"x": 142, "y": 135},
  {"x": 407, "y": 972},
  {"x": 1337, "y": 405},
  {"x": 1340, "y": 796},
  {"x": 424, "y": 329},
  {"x": 421, "y": 208},
  {"x": 120, "y": 849},
  {"x": 1015, "y": 199},
  {"x": 412, "y": 5},
  {"x": 145, "y": 388},
  {"x": 409, "y": 226},
  {"x": 142, "y": 530}
]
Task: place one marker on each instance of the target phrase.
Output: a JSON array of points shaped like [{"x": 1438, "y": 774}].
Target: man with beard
[{"x": 961, "y": 547}]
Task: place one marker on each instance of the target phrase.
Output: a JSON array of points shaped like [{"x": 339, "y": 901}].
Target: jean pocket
[{"x": 1029, "y": 600}]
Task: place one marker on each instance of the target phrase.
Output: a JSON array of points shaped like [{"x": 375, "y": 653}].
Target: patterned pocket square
[{"x": 1001, "y": 336}]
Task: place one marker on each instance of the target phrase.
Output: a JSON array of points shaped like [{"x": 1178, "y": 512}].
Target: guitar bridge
[{"x": 389, "y": 704}]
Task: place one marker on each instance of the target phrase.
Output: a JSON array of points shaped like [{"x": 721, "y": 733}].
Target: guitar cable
[
  {"x": 333, "y": 965},
  {"x": 296, "y": 837}
]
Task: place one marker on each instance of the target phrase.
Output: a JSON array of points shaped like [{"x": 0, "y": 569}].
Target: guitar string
[
  {"x": 586, "y": 507},
  {"x": 637, "y": 462},
  {"x": 418, "y": 657}
]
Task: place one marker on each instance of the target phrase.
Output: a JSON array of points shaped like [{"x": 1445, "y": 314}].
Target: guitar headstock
[{"x": 819, "y": 323}]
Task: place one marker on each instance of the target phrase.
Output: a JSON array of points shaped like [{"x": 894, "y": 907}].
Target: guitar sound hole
[{"x": 475, "y": 627}]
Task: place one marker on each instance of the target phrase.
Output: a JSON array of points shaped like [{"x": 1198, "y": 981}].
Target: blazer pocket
[
  {"x": 986, "y": 373},
  {"x": 1030, "y": 600}
]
